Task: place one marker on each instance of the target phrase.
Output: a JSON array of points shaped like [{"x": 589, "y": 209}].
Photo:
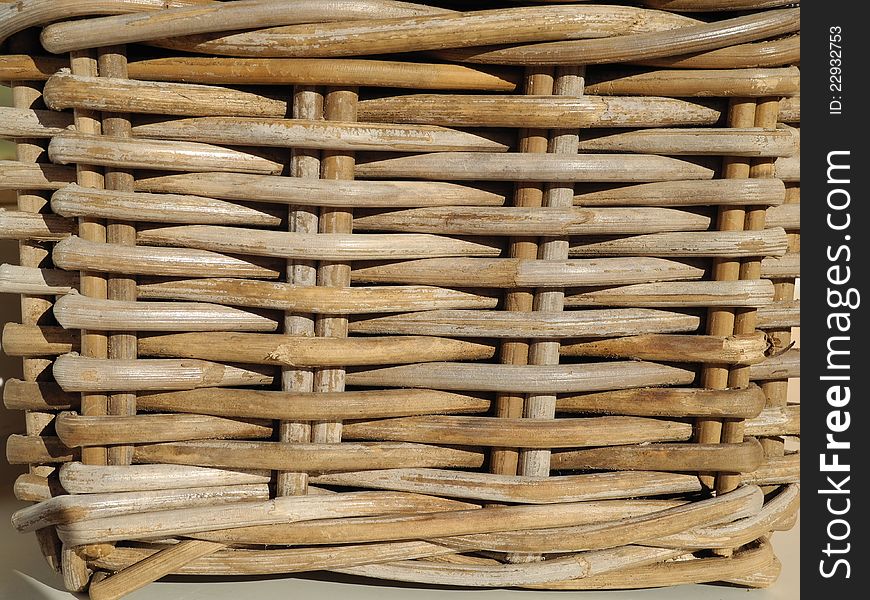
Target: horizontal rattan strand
[
  {"x": 314, "y": 406},
  {"x": 718, "y": 244},
  {"x": 279, "y": 515},
  {"x": 301, "y": 351},
  {"x": 31, "y": 487},
  {"x": 398, "y": 194},
  {"x": 20, "y": 225},
  {"x": 77, "y": 373},
  {"x": 76, "y": 311},
  {"x": 29, "y": 123},
  {"x": 779, "y": 421},
  {"x": 520, "y": 433},
  {"x": 652, "y": 402},
  {"x": 75, "y": 253},
  {"x": 75, "y": 430},
  {"x": 788, "y": 168},
  {"x": 263, "y": 562},
  {"x": 519, "y": 489},
  {"x": 745, "y": 501},
  {"x": 509, "y": 272},
  {"x": 668, "y": 402},
  {"x": 733, "y": 458},
  {"x": 31, "y": 13},
  {"x": 73, "y": 147},
  {"x": 325, "y": 192},
  {"x": 750, "y": 293},
  {"x": 283, "y": 72},
  {"x": 278, "y": 349},
  {"x": 521, "y": 378},
  {"x": 738, "y": 349},
  {"x": 35, "y": 340},
  {"x": 641, "y": 46},
  {"x": 713, "y": 5},
  {"x": 776, "y": 512},
  {"x": 730, "y": 534},
  {"x": 80, "y": 312},
  {"x": 80, "y": 431},
  {"x": 465, "y": 110},
  {"x": 781, "y": 366},
  {"x": 462, "y": 220},
  {"x": 42, "y": 449},
  {"x": 22, "y": 449},
  {"x": 74, "y": 201},
  {"x": 77, "y": 201},
  {"x": 689, "y": 193},
  {"x": 290, "y": 509},
  {"x": 64, "y": 90},
  {"x": 435, "y": 32},
  {"x": 261, "y": 294},
  {"x": 778, "y": 470},
  {"x": 744, "y": 83},
  {"x": 279, "y": 561},
  {"x": 308, "y": 457},
  {"x": 782, "y": 267},
  {"x": 484, "y": 166},
  {"x": 328, "y": 135},
  {"x": 75, "y": 508},
  {"x": 492, "y": 574},
  {"x": 173, "y": 22},
  {"x": 756, "y": 566},
  {"x": 386, "y": 299},
  {"x": 790, "y": 110},
  {"x": 780, "y": 315},
  {"x": 16, "y": 175},
  {"x": 81, "y": 507},
  {"x": 260, "y": 348},
  {"x": 787, "y": 216},
  {"x": 37, "y": 395},
  {"x": 754, "y": 142},
  {"x": 454, "y": 220},
  {"x": 264, "y": 404},
  {"x": 137, "y": 153},
  {"x": 333, "y": 301},
  {"x": 78, "y": 478},
  {"x": 539, "y": 325},
  {"x": 773, "y": 53},
  {"x": 316, "y": 246}
]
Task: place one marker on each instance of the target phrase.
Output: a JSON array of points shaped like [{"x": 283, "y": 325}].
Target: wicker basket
[{"x": 505, "y": 302}]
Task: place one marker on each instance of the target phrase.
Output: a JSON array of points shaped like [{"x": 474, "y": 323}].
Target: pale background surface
[{"x": 24, "y": 575}]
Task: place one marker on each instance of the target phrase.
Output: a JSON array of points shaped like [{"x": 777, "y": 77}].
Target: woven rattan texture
[{"x": 494, "y": 298}]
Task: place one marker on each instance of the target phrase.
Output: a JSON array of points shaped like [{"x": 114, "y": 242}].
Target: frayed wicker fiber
[{"x": 496, "y": 298}]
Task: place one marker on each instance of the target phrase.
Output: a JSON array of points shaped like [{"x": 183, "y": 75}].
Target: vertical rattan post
[
  {"x": 340, "y": 104},
  {"x": 538, "y": 82},
  {"x": 568, "y": 82},
  {"x": 92, "y": 344},
  {"x": 720, "y": 321},
  {"x": 35, "y": 310},
  {"x": 122, "y": 344},
  {"x": 766, "y": 117},
  {"x": 307, "y": 103}
]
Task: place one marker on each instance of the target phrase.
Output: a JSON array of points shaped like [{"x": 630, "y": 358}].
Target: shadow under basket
[{"x": 495, "y": 298}]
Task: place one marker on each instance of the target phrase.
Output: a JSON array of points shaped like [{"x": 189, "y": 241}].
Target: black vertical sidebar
[{"x": 834, "y": 268}]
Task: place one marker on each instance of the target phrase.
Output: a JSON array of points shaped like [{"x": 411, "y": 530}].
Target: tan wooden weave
[{"x": 493, "y": 298}]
